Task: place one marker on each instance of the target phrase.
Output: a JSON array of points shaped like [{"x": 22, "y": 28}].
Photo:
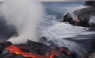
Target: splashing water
[{"x": 60, "y": 31}]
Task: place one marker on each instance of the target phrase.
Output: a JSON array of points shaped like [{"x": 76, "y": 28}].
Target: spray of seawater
[{"x": 60, "y": 31}]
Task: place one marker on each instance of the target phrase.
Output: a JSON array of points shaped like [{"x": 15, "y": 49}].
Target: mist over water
[{"x": 25, "y": 15}]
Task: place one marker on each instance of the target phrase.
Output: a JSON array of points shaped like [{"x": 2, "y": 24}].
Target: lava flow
[{"x": 26, "y": 51}]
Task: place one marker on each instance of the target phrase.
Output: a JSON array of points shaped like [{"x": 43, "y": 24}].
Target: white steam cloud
[{"x": 24, "y": 15}]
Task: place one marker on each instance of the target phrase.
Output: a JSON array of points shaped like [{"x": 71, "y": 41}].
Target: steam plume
[{"x": 24, "y": 15}]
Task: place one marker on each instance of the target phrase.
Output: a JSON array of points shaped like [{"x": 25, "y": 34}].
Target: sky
[
  {"x": 56, "y": 0},
  {"x": 1, "y": 0},
  {"x": 61, "y": 0}
]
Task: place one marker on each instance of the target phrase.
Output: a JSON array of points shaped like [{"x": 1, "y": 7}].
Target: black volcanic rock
[
  {"x": 82, "y": 17},
  {"x": 90, "y": 3}
]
